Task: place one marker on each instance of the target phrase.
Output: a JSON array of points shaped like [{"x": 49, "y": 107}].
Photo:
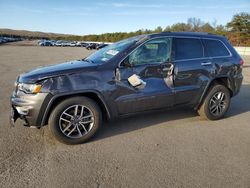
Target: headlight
[{"x": 29, "y": 88}]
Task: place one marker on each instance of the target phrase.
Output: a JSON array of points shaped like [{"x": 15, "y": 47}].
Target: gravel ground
[{"x": 165, "y": 149}]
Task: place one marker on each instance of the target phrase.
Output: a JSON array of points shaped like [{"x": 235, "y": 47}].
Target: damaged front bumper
[{"x": 27, "y": 107}]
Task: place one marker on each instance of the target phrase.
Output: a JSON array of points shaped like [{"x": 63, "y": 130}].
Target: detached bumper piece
[{"x": 14, "y": 115}]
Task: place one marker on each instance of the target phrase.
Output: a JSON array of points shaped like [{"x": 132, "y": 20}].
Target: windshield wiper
[{"x": 88, "y": 60}]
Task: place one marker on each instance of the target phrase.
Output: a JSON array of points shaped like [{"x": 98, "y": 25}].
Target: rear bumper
[
  {"x": 28, "y": 108},
  {"x": 237, "y": 84}
]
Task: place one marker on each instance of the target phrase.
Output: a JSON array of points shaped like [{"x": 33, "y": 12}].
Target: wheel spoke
[
  {"x": 219, "y": 96},
  {"x": 67, "y": 127},
  {"x": 67, "y": 114},
  {"x": 222, "y": 97},
  {"x": 65, "y": 120},
  {"x": 223, "y": 102},
  {"x": 84, "y": 122},
  {"x": 212, "y": 100},
  {"x": 71, "y": 131},
  {"x": 217, "y": 110},
  {"x": 222, "y": 106},
  {"x": 88, "y": 116},
  {"x": 78, "y": 130},
  {"x": 83, "y": 127},
  {"x": 82, "y": 111},
  {"x": 76, "y": 109},
  {"x": 214, "y": 109}
]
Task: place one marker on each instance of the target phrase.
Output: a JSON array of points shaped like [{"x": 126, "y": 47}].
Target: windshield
[{"x": 105, "y": 54}]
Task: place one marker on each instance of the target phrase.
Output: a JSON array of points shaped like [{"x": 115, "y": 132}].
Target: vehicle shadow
[
  {"x": 140, "y": 121},
  {"x": 240, "y": 104}
]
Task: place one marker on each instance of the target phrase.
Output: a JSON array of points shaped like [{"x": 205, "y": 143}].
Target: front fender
[{"x": 50, "y": 104}]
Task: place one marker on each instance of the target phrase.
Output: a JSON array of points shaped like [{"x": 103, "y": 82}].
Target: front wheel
[
  {"x": 75, "y": 120},
  {"x": 216, "y": 103}
]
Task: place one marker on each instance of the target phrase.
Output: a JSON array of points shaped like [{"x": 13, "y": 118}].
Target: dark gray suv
[{"x": 139, "y": 74}]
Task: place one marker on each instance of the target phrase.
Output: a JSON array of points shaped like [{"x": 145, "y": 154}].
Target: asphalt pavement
[{"x": 174, "y": 148}]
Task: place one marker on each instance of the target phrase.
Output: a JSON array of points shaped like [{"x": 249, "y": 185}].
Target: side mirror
[{"x": 126, "y": 63}]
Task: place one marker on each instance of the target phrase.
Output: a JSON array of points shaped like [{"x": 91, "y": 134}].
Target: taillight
[{"x": 241, "y": 62}]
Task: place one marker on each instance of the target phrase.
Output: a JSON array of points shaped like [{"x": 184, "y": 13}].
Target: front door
[{"x": 150, "y": 65}]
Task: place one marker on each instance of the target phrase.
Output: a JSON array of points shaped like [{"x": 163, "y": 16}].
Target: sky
[{"x": 83, "y": 17}]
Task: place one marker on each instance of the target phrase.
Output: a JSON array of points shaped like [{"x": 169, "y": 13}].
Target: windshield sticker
[
  {"x": 112, "y": 52},
  {"x": 105, "y": 59}
]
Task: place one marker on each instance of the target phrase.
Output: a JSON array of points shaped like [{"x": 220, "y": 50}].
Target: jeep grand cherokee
[{"x": 138, "y": 74}]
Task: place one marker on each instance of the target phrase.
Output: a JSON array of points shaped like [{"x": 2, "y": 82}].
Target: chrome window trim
[
  {"x": 193, "y": 59},
  {"x": 174, "y": 36}
]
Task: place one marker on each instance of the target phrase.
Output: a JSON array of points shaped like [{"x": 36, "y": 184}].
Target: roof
[{"x": 187, "y": 34}]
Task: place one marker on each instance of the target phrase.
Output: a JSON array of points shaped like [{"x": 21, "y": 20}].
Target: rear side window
[
  {"x": 215, "y": 48},
  {"x": 188, "y": 48}
]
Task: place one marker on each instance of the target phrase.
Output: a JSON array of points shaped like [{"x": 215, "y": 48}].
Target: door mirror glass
[{"x": 126, "y": 63}]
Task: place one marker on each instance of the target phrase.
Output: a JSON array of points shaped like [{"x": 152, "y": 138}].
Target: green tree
[
  {"x": 195, "y": 23},
  {"x": 240, "y": 26},
  {"x": 181, "y": 27},
  {"x": 158, "y": 29},
  {"x": 240, "y": 23},
  {"x": 207, "y": 28}
]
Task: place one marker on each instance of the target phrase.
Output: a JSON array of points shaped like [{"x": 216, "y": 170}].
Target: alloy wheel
[
  {"x": 76, "y": 121},
  {"x": 217, "y": 104}
]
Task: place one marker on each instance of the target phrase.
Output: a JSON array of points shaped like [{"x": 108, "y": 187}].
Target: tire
[
  {"x": 75, "y": 120},
  {"x": 216, "y": 103}
]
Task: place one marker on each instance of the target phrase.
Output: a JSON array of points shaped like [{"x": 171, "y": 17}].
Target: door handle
[
  {"x": 206, "y": 63},
  {"x": 166, "y": 69}
]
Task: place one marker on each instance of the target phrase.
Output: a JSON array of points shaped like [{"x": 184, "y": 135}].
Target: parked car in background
[
  {"x": 79, "y": 44},
  {"x": 45, "y": 43},
  {"x": 60, "y": 43},
  {"x": 91, "y": 46},
  {"x": 83, "y": 44},
  {"x": 9, "y": 39},
  {"x": 72, "y": 44},
  {"x": 1, "y": 41},
  {"x": 99, "y": 46},
  {"x": 63, "y": 43},
  {"x": 138, "y": 74}
]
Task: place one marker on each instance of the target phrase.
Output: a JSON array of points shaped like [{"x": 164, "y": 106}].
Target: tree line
[{"x": 237, "y": 30}]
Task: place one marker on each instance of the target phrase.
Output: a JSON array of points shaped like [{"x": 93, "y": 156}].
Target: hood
[{"x": 56, "y": 70}]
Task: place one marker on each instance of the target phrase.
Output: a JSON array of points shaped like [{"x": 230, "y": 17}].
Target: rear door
[
  {"x": 220, "y": 56},
  {"x": 192, "y": 69}
]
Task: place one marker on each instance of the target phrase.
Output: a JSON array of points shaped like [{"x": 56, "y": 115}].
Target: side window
[
  {"x": 215, "y": 48},
  {"x": 154, "y": 51},
  {"x": 188, "y": 48}
]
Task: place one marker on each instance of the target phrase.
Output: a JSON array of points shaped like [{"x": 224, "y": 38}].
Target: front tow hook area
[{"x": 13, "y": 116}]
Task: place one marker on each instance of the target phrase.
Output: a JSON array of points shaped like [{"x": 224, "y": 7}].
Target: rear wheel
[
  {"x": 75, "y": 120},
  {"x": 216, "y": 103}
]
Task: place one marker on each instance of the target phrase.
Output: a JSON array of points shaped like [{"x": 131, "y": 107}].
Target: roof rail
[
  {"x": 166, "y": 32},
  {"x": 189, "y": 32}
]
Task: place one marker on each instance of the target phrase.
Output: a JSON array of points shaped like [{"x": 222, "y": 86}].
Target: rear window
[
  {"x": 188, "y": 48},
  {"x": 215, "y": 48}
]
